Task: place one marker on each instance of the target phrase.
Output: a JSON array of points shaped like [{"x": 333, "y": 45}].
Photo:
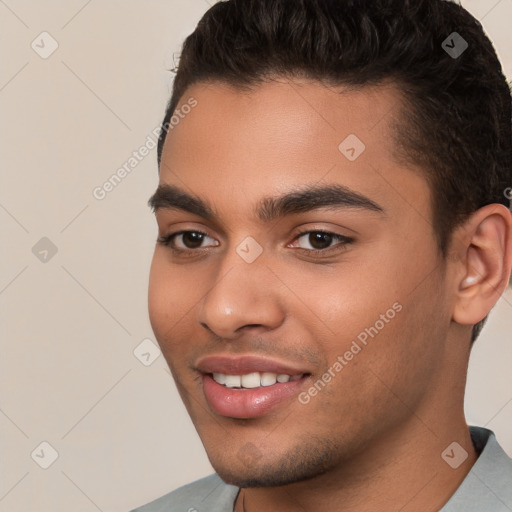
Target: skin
[{"x": 372, "y": 438}]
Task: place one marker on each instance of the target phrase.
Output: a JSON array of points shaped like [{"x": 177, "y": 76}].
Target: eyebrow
[{"x": 300, "y": 200}]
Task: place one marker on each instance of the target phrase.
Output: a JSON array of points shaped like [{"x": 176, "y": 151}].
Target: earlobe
[{"x": 487, "y": 263}]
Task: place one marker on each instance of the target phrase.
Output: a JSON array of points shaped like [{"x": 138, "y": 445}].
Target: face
[{"x": 296, "y": 277}]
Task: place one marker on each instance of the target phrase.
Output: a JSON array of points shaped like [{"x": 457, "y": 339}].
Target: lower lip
[{"x": 248, "y": 403}]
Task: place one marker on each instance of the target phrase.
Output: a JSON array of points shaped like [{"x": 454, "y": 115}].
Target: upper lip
[{"x": 242, "y": 365}]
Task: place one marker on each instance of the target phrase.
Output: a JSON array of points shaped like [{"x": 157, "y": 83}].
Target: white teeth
[
  {"x": 220, "y": 378},
  {"x": 268, "y": 379},
  {"x": 253, "y": 380},
  {"x": 233, "y": 381}
]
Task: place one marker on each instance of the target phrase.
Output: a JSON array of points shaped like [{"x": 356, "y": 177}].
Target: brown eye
[
  {"x": 321, "y": 241},
  {"x": 192, "y": 239},
  {"x": 185, "y": 240}
]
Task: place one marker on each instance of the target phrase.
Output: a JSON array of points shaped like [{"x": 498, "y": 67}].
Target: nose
[{"x": 244, "y": 295}]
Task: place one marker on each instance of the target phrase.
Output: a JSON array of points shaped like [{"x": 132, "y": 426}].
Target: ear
[{"x": 485, "y": 261}]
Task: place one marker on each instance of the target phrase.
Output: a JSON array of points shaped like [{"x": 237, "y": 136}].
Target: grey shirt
[{"x": 486, "y": 488}]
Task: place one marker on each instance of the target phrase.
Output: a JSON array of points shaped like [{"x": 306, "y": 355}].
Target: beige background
[{"x": 69, "y": 325}]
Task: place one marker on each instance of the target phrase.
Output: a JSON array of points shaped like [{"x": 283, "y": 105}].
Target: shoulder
[
  {"x": 488, "y": 485},
  {"x": 209, "y": 493}
]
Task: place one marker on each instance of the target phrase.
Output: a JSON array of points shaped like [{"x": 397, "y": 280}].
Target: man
[{"x": 333, "y": 231}]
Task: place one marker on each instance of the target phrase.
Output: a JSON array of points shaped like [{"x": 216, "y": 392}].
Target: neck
[{"x": 403, "y": 470}]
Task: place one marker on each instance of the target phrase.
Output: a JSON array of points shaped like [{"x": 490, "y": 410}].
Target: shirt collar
[{"x": 488, "y": 485}]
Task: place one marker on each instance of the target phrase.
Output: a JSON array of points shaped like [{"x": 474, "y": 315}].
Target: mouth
[
  {"x": 249, "y": 387},
  {"x": 254, "y": 379}
]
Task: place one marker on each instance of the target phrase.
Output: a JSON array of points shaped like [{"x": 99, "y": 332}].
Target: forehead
[
  {"x": 279, "y": 101},
  {"x": 286, "y": 111},
  {"x": 285, "y": 133}
]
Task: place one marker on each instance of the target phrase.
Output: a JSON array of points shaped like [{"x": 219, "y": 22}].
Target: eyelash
[{"x": 167, "y": 241}]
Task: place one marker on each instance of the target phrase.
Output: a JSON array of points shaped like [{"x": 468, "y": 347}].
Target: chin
[{"x": 249, "y": 468}]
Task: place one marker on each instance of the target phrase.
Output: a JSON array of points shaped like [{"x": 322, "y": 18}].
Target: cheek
[
  {"x": 167, "y": 300},
  {"x": 162, "y": 319},
  {"x": 170, "y": 292},
  {"x": 403, "y": 358},
  {"x": 173, "y": 295},
  {"x": 345, "y": 302},
  {"x": 157, "y": 295},
  {"x": 377, "y": 312}
]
